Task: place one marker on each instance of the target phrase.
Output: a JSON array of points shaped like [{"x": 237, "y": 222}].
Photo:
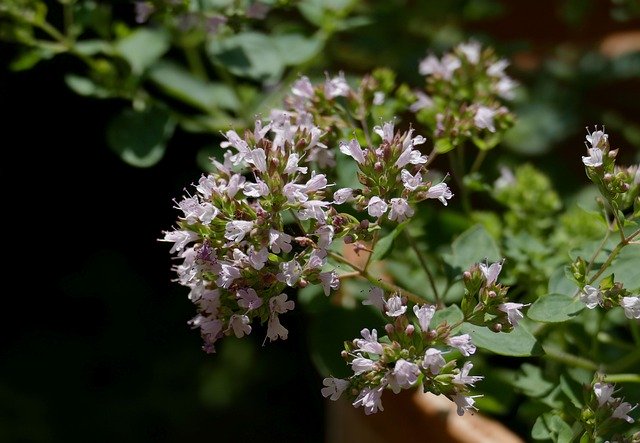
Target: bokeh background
[{"x": 94, "y": 344}]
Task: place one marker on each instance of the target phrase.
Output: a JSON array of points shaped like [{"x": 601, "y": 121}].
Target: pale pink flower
[
  {"x": 462, "y": 343},
  {"x": 334, "y": 387},
  {"x": 400, "y": 210},
  {"x": 433, "y": 360},
  {"x": 394, "y": 306},
  {"x": 376, "y": 206},
  {"x": 424, "y": 314},
  {"x": 369, "y": 342},
  {"x": 353, "y": 149}
]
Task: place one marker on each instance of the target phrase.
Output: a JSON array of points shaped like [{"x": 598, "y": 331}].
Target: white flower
[
  {"x": 236, "y": 182},
  {"x": 313, "y": 209},
  {"x": 329, "y": 280},
  {"x": 463, "y": 343},
  {"x": 505, "y": 180},
  {"x": 385, "y": 132},
  {"x": 411, "y": 182},
  {"x": 497, "y": 68},
  {"x": 227, "y": 275},
  {"x": 376, "y": 206},
  {"x": 463, "y": 377},
  {"x": 429, "y": 65},
  {"x": 279, "y": 304},
  {"x": 208, "y": 213},
  {"x": 424, "y": 314},
  {"x": 597, "y": 138},
  {"x": 483, "y": 118},
  {"x": 631, "y": 307},
  {"x": 180, "y": 239},
  {"x": 302, "y": 88},
  {"x": 279, "y": 241},
  {"x": 257, "y": 259},
  {"x": 336, "y": 87},
  {"x": 295, "y": 193},
  {"x": 375, "y": 297},
  {"x": 464, "y": 403},
  {"x": 240, "y": 325},
  {"x": 622, "y": 411},
  {"x": 275, "y": 329},
  {"x": 404, "y": 375},
  {"x": 505, "y": 87},
  {"x": 209, "y": 301},
  {"x": 361, "y": 364},
  {"x": 603, "y": 392},
  {"x": 208, "y": 325},
  {"x": 594, "y": 159},
  {"x": 248, "y": 299},
  {"x": 342, "y": 195},
  {"x": 433, "y": 360},
  {"x": 315, "y": 183},
  {"x": 423, "y": 102},
  {"x": 491, "y": 272},
  {"x": 325, "y": 236},
  {"x": 378, "y": 98},
  {"x": 258, "y": 158},
  {"x": 440, "y": 191},
  {"x": 400, "y": 210},
  {"x": 257, "y": 189},
  {"x": 369, "y": 342},
  {"x": 448, "y": 65},
  {"x": 471, "y": 51},
  {"x": 334, "y": 387},
  {"x": 513, "y": 311},
  {"x": 394, "y": 306},
  {"x": 292, "y": 165},
  {"x": 353, "y": 149},
  {"x": 370, "y": 399},
  {"x": 237, "y": 229},
  {"x": 590, "y": 296},
  {"x": 289, "y": 272}
]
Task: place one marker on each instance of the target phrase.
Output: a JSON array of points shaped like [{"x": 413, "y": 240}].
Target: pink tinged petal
[
  {"x": 622, "y": 412},
  {"x": 258, "y": 158},
  {"x": 429, "y": 65},
  {"x": 292, "y": 165},
  {"x": 423, "y": 102},
  {"x": 294, "y": 193},
  {"x": 227, "y": 275},
  {"x": 180, "y": 239},
  {"x": 471, "y": 51},
  {"x": 334, "y": 387},
  {"x": 594, "y": 159},
  {"x": 279, "y": 241},
  {"x": 491, "y": 272},
  {"x": 597, "y": 138},
  {"x": 603, "y": 392},
  {"x": 440, "y": 191},
  {"x": 591, "y": 296},
  {"x": 275, "y": 330},
  {"x": 463, "y": 377},
  {"x": 329, "y": 280},
  {"x": 433, "y": 360},
  {"x": 237, "y": 229},
  {"x": 394, "y": 307},
  {"x": 424, "y": 314},
  {"x": 631, "y": 306},
  {"x": 370, "y": 400},
  {"x": 360, "y": 365},
  {"x": 464, "y": 403},
  {"x": 258, "y": 259},
  {"x": 325, "y": 236},
  {"x": 342, "y": 195},
  {"x": 376, "y": 206},
  {"x": 400, "y": 210},
  {"x": 513, "y": 311},
  {"x": 240, "y": 325},
  {"x": 279, "y": 304},
  {"x": 248, "y": 299},
  {"x": 353, "y": 149},
  {"x": 463, "y": 344},
  {"x": 257, "y": 189},
  {"x": 375, "y": 297},
  {"x": 405, "y": 374},
  {"x": 497, "y": 68},
  {"x": 316, "y": 183},
  {"x": 411, "y": 182},
  {"x": 385, "y": 132},
  {"x": 378, "y": 98},
  {"x": 483, "y": 118},
  {"x": 236, "y": 182},
  {"x": 303, "y": 88},
  {"x": 369, "y": 342},
  {"x": 336, "y": 87}
]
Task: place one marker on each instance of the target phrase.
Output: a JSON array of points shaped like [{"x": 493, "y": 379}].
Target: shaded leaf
[
  {"x": 249, "y": 54},
  {"x": 531, "y": 382},
  {"x": 142, "y": 48},
  {"x": 295, "y": 48},
  {"x": 383, "y": 246},
  {"x": 517, "y": 343},
  {"x": 473, "y": 246},
  {"x": 554, "y": 308}
]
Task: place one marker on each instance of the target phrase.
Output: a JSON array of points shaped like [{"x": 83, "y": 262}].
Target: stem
[
  {"x": 598, "y": 250},
  {"x": 423, "y": 263},
  {"x": 622, "y": 378},
  {"x": 482, "y": 154},
  {"x": 347, "y": 275},
  {"x": 376, "y": 236},
  {"x": 607, "y": 263},
  {"x": 387, "y": 286},
  {"x": 569, "y": 359},
  {"x": 457, "y": 165},
  {"x": 431, "y": 157},
  {"x": 195, "y": 62}
]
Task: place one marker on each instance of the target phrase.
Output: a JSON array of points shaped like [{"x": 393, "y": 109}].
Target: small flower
[
  {"x": 227, "y": 275},
  {"x": 275, "y": 329},
  {"x": 240, "y": 325},
  {"x": 370, "y": 399},
  {"x": 423, "y": 102},
  {"x": 303, "y": 88},
  {"x": 603, "y": 392},
  {"x": 394, "y": 306},
  {"x": 289, "y": 272},
  {"x": 248, "y": 299},
  {"x": 597, "y": 138},
  {"x": 400, "y": 210},
  {"x": 631, "y": 307},
  {"x": 329, "y": 280},
  {"x": 424, "y": 314},
  {"x": 376, "y": 206},
  {"x": 334, "y": 387},
  {"x": 462, "y": 343},
  {"x": 279, "y": 241},
  {"x": 375, "y": 297},
  {"x": 342, "y": 195},
  {"x": 483, "y": 118},
  {"x": 316, "y": 183},
  {"x": 361, "y": 364},
  {"x": 513, "y": 311},
  {"x": 257, "y": 189},
  {"x": 336, "y": 87},
  {"x": 594, "y": 159},
  {"x": 369, "y": 342},
  {"x": 433, "y": 360},
  {"x": 491, "y": 272},
  {"x": 258, "y": 158},
  {"x": 353, "y": 149},
  {"x": 292, "y": 165},
  {"x": 237, "y": 229},
  {"x": 591, "y": 296},
  {"x": 258, "y": 259},
  {"x": 623, "y": 410},
  {"x": 463, "y": 377},
  {"x": 411, "y": 182},
  {"x": 378, "y": 98},
  {"x": 440, "y": 191},
  {"x": 464, "y": 403},
  {"x": 471, "y": 51},
  {"x": 405, "y": 374},
  {"x": 180, "y": 239},
  {"x": 385, "y": 132}
]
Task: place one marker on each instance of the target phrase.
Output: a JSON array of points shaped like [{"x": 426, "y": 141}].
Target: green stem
[
  {"x": 387, "y": 286},
  {"x": 482, "y": 154},
  {"x": 622, "y": 378},
  {"x": 569, "y": 359},
  {"x": 598, "y": 250},
  {"x": 457, "y": 165},
  {"x": 423, "y": 263},
  {"x": 195, "y": 62}
]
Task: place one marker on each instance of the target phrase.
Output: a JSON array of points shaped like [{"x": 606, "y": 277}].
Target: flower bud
[
  {"x": 409, "y": 330},
  {"x": 348, "y": 239},
  {"x": 496, "y": 327},
  {"x": 378, "y": 167},
  {"x": 389, "y": 328},
  {"x": 364, "y": 224}
]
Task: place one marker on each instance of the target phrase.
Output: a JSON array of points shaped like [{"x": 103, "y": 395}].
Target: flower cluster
[
  {"x": 614, "y": 407},
  {"x": 610, "y": 294},
  {"x": 464, "y": 92},
  {"x": 237, "y": 257},
  {"x": 412, "y": 353}
]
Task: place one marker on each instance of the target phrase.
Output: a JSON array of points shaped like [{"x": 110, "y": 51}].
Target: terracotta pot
[{"x": 412, "y": 416}]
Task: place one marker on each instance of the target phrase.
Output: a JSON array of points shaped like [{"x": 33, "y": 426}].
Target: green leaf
[
  {"x": 572, "y": 390},
  {"x": 295, "y": 48},
  {"x": 625, "y": 267},
  {"x": 531, "y": 382},
  {"x": 29, "y": 58},
  {"x": 443, "y": 145},
  {"x": 551, "y": 427},
  {"x": 555, "y": 308},
  {"x": 451, "y": 315},
  {"x": 249, "y": 54},
  {"x": 142, "y": 48},
  {"x": 140, "y": 137},
  {"x": 85, "y": 86},
  {"x": 559, "y": 283},
  {"x": 181, "y": 84},
  {"x": 517, "y": 343},
  {"x": 93, "y": 47},
  {"x": 383, "y": 246},
  {"x": 473, "y": 246}
]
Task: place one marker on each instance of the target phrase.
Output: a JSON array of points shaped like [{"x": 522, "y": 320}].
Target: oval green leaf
[
  {"x": 517, "y": 343},
  {"x": 555, "y": 308}
]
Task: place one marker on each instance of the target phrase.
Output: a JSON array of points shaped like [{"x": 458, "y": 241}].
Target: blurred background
[{"x": 94, "y": 341}]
